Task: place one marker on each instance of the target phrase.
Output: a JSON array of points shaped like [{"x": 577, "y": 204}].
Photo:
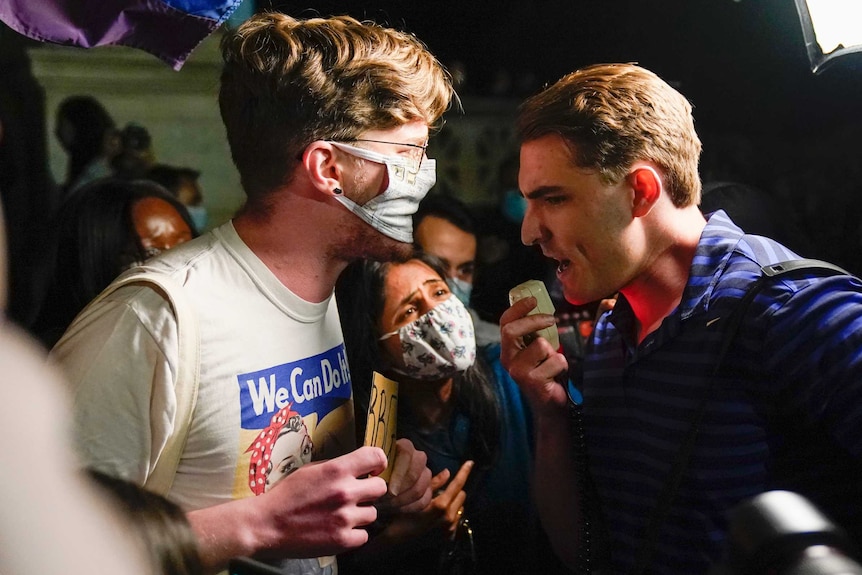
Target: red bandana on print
[{"x": 261, "y": 449}]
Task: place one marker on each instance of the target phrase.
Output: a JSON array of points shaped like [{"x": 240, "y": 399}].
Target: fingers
[
  {"x": 460, "y": 480},
  {"x": 417, "y": 497},
  {"x": 518, "y": 333},
  {"x": 455, "y": 512},
  {"x": 365, "y": 463},
  {"x": 410, "y": 482},
  {"x": 440, "y": 480},
  {"x": 536, "y": 368},
  {"x": 520, "y": 360},
  {"x": 365, "y": 460},
  {"x": 322, "y": 506},
  {"x": 410, "y": 465},
  {"x": 518, "y": 310},
  {"x": 453, "y": 497}
]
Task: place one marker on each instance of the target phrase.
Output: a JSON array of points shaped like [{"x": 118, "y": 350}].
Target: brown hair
[
  {"x": 615, "y": 114},
  {"x": 158, "y": 524},
  {"x": 288, "y": 82}
]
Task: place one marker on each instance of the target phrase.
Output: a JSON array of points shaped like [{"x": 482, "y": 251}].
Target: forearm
[
  {"x": 318, "y": 510},
  {"x": 233, "y": 529},
  {"x": 558, "y": 486}
]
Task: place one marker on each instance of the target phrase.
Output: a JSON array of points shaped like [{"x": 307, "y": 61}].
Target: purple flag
[{"x": 168, "y": 29}]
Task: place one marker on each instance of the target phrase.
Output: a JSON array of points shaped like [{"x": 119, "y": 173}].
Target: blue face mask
[
  {"x": 199, "y": 216},
  {"x": 461, "y": 289},
  {"x": 514, "y": 206}
]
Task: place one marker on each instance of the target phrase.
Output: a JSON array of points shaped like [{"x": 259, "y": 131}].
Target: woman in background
[
  {"x": 87, "y": 133},
  {"x": 454, "y": 402},
  {"x": 107, "y": 227}
]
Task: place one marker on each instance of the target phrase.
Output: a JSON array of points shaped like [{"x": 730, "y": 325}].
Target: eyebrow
[
  {"x": 412, "y": 294},
  {"x": 542, "y": 191}
]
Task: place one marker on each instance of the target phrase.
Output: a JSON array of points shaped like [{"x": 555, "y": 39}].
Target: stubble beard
[{"x": 364, "y": 242}]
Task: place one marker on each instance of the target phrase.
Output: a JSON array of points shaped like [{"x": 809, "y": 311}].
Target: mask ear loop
[{"x": 386, "y": 336}]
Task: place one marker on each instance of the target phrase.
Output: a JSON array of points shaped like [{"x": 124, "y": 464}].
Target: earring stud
[{"x": 337, "y": 191}]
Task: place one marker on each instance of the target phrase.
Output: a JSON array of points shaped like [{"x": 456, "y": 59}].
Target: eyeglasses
[{"x": 417, "y": 153}]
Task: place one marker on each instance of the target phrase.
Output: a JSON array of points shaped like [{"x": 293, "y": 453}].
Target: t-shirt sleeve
[{"x": 120, "y": 360}]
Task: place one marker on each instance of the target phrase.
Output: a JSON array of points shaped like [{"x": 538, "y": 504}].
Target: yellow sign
[{"x": 380, "y": 427}]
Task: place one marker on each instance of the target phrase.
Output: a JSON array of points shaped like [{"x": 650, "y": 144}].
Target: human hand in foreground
[
  {"x": 409, "y": 487},
  {"x": 537, "y": 367},
  {"x": 442, "y": 513},
  {"x": 320, "y": 509}
]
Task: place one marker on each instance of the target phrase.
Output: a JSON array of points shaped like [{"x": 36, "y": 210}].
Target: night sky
[{"x": 742, "y": 64}]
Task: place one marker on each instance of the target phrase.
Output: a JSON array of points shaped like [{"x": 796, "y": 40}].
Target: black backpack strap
[
  {"x": 768, "y": 272},
  {"x": 680, "y": 464}
]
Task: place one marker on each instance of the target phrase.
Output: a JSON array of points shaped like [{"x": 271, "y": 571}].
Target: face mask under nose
[{"x": 391, "y": 212}]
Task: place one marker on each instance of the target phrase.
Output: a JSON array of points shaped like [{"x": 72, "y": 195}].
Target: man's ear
[
  {"x": 646, "y": 185},
  {"x": 322, "y": 168}
]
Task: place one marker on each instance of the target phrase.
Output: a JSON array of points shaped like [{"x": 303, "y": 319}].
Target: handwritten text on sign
[{"x": 382, "y": 416}]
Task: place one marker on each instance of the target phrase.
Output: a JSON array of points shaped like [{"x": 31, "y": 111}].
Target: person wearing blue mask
[
  {"x": 183, "y": 183},
  {"x": 445, "y": 229}
]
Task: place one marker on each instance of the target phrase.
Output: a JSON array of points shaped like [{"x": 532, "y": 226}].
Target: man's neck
[
  {"x": 658, "y": 289},
  {"x": 292, "y": 241}
]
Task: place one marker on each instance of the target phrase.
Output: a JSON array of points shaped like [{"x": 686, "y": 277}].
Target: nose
[{"x": 531, "y": 228}]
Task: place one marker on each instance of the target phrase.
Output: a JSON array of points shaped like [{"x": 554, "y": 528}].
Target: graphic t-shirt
[{"x": 274, "y": 391}]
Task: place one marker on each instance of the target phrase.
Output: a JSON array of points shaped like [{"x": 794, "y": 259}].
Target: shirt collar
[{"x": 719, "y": 238}]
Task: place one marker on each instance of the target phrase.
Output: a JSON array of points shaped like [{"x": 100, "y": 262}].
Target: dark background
[{"x": 742, "y": 64}]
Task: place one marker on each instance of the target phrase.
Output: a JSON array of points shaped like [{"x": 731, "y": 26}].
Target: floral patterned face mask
[{"x": 438, "y": 344}]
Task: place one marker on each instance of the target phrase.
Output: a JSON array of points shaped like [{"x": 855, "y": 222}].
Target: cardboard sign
[{"x": 380, "y": 427}]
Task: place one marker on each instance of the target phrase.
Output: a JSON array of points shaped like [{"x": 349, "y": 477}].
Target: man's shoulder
[
  {"x": 189, "y": 256},
  {"x": 140, "y": 299},
  {"x": 810, "y": 291}
]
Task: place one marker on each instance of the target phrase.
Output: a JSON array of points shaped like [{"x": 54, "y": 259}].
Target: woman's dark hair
[
  {"x": 90, "y": 121},
  {"x": 93, "y": 240},
  {"x": 158, "y": 524},
  {"x": 360, "y": 295}
]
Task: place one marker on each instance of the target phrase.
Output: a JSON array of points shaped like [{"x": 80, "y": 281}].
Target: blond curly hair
[{"x": 288, "y": 82}]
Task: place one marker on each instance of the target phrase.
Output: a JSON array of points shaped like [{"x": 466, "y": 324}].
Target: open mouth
[{"x": 562, "y": 265}]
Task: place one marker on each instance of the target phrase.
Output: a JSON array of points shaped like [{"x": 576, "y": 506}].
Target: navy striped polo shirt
[{"x": 786, "y": 412}]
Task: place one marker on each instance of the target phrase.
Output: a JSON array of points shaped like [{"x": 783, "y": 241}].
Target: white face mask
[
  {"x": 438, "y": 344},
  {"x": 391, "y": 212}
]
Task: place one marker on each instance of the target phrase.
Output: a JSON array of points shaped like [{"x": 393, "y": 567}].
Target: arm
[
  {"x": 318, "y": 510},
  {"x": 813, "y": 349},
  {"x": 124, "y": 401},
  {"x": 537, "y": 368},
  {"x": 122, "y": 389}
]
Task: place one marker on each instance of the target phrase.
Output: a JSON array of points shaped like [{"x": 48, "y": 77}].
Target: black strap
[{"x": 683, "y": 457}]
